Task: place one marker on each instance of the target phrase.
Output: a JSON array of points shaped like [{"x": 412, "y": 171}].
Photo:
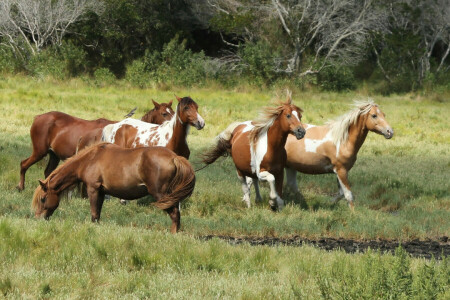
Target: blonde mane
[{"x": 339, "y": 127}]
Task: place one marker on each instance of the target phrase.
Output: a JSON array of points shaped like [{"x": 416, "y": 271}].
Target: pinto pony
[
  {"x": 131, "y": 133},
  {"x": 333, "y": 148},
  {"x": 127, "y": 173},
  {"x": 257, "y": 149},
  {"x": 60, "y": 136}
]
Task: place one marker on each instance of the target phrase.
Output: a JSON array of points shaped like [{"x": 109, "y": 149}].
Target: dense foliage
[{"x": 401, "y": 45}]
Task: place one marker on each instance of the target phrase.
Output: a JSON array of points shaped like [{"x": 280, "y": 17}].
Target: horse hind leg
[
  {"x": 258, "y": 198},
  {"x": 39, "y": 151},
  {"x": 175, "y": 216},
  {"x": 53, "y": 162},
  {"x": 245, "y": 189}
]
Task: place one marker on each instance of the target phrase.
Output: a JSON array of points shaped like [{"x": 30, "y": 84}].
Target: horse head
[
  {"x": 45, "y": 200},
  {"x": 290, "y": 118},
  {"x": 159, "y": 114},
  {"x": 187, "y": 112},
  {"x": 377, "y": 123}
]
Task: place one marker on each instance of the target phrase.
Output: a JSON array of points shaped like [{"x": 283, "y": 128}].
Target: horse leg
[
  {"x": 274, "y": 197},
  {"x": 258, "y": 198},
  {"x": 245, "y": 189},
  {"x": 174, "y": 214},
  {"x": 340, "y": 194},
  {"x": 291, "y": 180},
  {"x": 345, "y": 185},
  {"x": 39, "y": 151},
  {"x": 53, "y": 162},
  {"x": 96, "y": 199}
]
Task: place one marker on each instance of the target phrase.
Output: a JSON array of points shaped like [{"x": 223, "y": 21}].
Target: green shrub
[
  {"x": 47, "y": 63},
  {"x": 336, "y": 78},
  {"x": 137, "y": 74},
  {"x": 176, "y": 64},
  {"x": 259, "y": 62},
  {"x": 103, "y": 76},
  {"x": 8, "y": 63},
  {"x": 74, "y": 59}
]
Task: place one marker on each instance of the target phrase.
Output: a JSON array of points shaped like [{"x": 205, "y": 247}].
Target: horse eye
[
  {"x": 164, "y": 114},
  {"x": 374, "y": 116},
  {"x": 288, "y": 116},
  {"x": 186, "y": 107}
]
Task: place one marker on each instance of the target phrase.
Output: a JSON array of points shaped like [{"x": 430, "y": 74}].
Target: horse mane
[
  {"x": 339, "y": 127},
  {"x": 266, "y": 118}
]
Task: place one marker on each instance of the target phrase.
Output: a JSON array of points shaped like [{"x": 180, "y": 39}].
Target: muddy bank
[{"x": 416, "y": 248}]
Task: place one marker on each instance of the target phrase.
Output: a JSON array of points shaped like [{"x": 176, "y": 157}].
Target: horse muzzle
[
  {"x": 299, "y": 132},
  {"x": 388, "y": 133}
]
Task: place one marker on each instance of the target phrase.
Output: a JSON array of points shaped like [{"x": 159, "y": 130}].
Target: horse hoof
[
  {"x": 123, "y": 202},
  {"x": 19, "y": 188}
]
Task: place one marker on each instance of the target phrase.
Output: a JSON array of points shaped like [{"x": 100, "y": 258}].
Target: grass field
[{"x": 401, "y": 188}]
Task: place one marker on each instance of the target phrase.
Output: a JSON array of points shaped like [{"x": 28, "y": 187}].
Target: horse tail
[
  {"x": 106, "y": 133},
  {"x": 182, "y": 184},
  {"x": 222, "y": 145}
]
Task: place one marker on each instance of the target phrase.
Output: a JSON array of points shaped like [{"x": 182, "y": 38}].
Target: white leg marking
[
  {"x": 274, "y": 198},
  {"x": 347, "y": 193},
  {"x": 246, "y": 191}
]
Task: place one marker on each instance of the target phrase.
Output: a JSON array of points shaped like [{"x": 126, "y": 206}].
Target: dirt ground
[{"x": 416, "y": 248}]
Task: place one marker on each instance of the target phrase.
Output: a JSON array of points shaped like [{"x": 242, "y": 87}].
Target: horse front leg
[
  {"x": 96, "y": 199},
  {"x": 275, "y": 191},
  {"x": 291, "y": 180},
  {"x": 340, "y": 194},
  {"x": 258, "y": 198},
  {"x": 345, "y": 186}
]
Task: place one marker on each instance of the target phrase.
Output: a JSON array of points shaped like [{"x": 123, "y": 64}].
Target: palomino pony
[
  {"x": 333, "y": 147},
  {"x": 131, "y": 133},
  {"x": 127, "y": 173},
  {"x": 257, "y": 149},
  {"x": 60, "y": 135}
]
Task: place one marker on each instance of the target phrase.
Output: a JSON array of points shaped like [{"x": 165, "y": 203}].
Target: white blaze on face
[
  {"x": 168, "y": 111},
  {"x": 200, "y": 120},
  {"x": 296, "y": 115}
]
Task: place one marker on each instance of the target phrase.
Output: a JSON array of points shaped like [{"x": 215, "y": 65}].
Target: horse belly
[
  {"x": 311, "y": 163},
  {"x": 127, "y": 192}
]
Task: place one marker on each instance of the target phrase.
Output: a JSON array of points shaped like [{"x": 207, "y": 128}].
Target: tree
[{"x": 30, "y": 25}]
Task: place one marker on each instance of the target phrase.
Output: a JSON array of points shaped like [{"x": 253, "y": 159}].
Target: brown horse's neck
[
  {"x": 177, "y": 143},
  {"x": 64, "y": 176},
  {"x": 276, "y": 137},
  {"x": 357, "y": 134}
]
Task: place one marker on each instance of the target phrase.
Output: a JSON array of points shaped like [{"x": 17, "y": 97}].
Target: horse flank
[{"x": 339, "y": 127}]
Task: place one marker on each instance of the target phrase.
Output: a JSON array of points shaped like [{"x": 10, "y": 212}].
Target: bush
[
  {"x": 47, "y": 63},
  {"x": 103, "y": 77},
  {"x": 335, "y": 78},
  {"x": 176, "y": 64},
  {"x": 74, "y": 59},
  {"x": 259, "y": 62},
  {"x": 137, "y": 75},
  {"x": 8, "y": 63}
]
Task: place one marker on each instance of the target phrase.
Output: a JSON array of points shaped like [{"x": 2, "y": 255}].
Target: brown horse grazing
[
  {"x": 60, "y": 135},
  {"x": 132, "y": 133},
  {"x": 127, "y": 173},
  {"x": 333, "y": 147},
  {"x": 257, "y": 149}
]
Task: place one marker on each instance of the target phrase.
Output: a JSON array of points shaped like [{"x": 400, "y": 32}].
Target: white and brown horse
[
  {"x": 132, "y": 133},
  {"x": 257, "y": 149},
  {"x": 108, "y": 169},
  {"x": 333, "y": 148}
]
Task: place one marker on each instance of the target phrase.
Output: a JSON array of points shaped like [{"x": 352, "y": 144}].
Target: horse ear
[
  {"x": 43, "y": 185},
  {"x": 170, "y": 103},
  {"x": 156, "y": 104},
  {"x": 288, "y": 96},
  {"x": 178, "y": 98}
]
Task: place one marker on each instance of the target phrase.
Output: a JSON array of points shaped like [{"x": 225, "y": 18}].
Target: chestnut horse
[
  {"x": 333, "y": 148},
  {"x": 58, "y": 134},
  {"x": 131, "y": 133},
  {"x": 127, "y": 173},
  {"x": 257, "y": 149}
]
